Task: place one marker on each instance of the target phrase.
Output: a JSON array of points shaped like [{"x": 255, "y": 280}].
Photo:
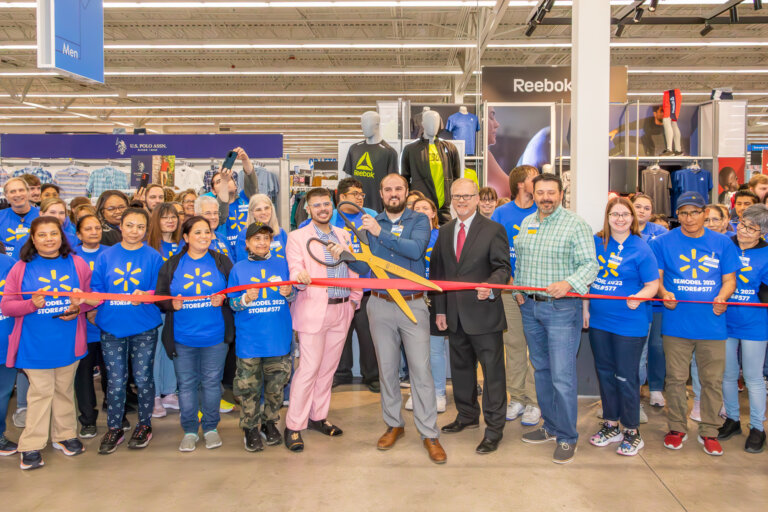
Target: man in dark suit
[{"x": 472, "y": 248}]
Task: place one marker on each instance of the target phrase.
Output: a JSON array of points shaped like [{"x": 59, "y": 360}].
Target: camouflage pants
[{"x": 254, "y": 374}]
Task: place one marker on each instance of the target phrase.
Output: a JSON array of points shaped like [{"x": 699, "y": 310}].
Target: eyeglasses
[
  {"x": 356, "y": 194},
  {"x": 169, "y": 217},
  {"x": 617, "y": 215},
  {"x": 691, "y": 215},
  {"x": 748, "y": 229},
  {"x": 713, "y": 220},
  {"x": 326, "y": 204},
  {"x": 112, "y": 209},
  {"x": 462, "y": 197}
]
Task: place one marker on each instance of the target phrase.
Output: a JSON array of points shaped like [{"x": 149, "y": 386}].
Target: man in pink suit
[{"x": 321, "y": 317}]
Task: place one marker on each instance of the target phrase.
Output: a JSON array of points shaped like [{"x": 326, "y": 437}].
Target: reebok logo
[
  {"x": 546, "y": 85},
  {"x": 364, "y": 164}
]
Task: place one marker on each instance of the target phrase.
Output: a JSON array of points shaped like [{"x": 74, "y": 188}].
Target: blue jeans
[
  {"x": 116, "y": 351},
  {"x": 657, "y": 365},
  {"x": 22, "y": 386},
  {"x": 7, "y": 379},
  {"x": 199, "y": 371},
  {"x": 553, "y": 332},
  {"x": 617, "y": 361},
  {"x": 752, "y": 359},
  {"x": 695, "y": 382},
  {"x": 163, "y": 371},
  {"x": 437, "y": 360}
]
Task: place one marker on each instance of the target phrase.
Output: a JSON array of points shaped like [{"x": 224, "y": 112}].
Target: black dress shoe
[
  {"x": 374, "y": 386},
  {"x": 487, "y": 446},
  {"x": 457, "y": 426}
]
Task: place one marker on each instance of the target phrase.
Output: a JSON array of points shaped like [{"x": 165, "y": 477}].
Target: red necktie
[{"x": 460, "y": 241}]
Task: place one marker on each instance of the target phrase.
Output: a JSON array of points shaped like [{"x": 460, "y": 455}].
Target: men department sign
[
  {"x": 70, "y": 37},
  {"x": 541, "y": 83}
]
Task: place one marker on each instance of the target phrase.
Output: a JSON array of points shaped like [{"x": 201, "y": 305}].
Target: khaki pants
[
  {"x": 710, "y": 359},
  {"x": 521, "y": 385},
  {"x": 50, "y": 406}
]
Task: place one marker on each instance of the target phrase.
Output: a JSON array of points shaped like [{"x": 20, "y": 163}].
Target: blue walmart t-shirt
[
  {"x": 118, "y": 270},
  {"x": 277, "y": 247},
  {"x": 264, "y": 328},
  {"x": 14, "y": 229},
  {"x": 464, "y": 127},
  {"x": 237, "y": 220},
  {"x": 168, "y": 249},
  {"x": 511, "y": 217},
  {"x": 48, "y": 342},
  {"x": 747, "y": 322},
  {"x": 693, "y": 270},
  {"x": 428, "y": 254},
  {"x": 651, "y": 231},
  {"x": 197, "y": 323},
  {"x": 623, "y": 270},
  {"x": 6, "y": 322},
  {"x": 93, "y": 332}
]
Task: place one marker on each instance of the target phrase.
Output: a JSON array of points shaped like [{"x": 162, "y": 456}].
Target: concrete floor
[{"x": 348, "y": 473}]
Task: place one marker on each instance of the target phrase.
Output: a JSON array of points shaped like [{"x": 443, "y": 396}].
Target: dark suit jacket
[{"x": 484, "y": 259}]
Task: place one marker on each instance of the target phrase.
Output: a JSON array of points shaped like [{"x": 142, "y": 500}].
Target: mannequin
[
  {"x": 370, "y": 160},
  {"x": 671, "y": 105},
  {"x": 464, "y": 126},
  {"x": 431, "y": 164}
]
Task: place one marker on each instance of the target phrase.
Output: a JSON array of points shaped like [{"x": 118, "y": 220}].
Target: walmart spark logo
[
  {"x": 238, "y": 222},
  {"x": 428, "y": 255},
  {"x": 127, "y": 275},
  {"x": 55, "y": 282},
  {"x": 364, "y": 164},
  {"x": 264, "y": 280},
  {"x": 693, "y": 264},
  {"x": 197, "y": 280},
  {"x": 17, "y": 234},
  {"x": 517, "y": 230},
  {"x": 609, "y": 267},
  {"x": 2, "y": 285},
  {"x": 744, "y": 279}
]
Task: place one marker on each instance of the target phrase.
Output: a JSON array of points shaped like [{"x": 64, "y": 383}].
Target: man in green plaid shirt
[{"x": 555, "y": 250}]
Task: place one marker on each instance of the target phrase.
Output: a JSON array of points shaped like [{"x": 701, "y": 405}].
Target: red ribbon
[{"x": 377, "y": 284}]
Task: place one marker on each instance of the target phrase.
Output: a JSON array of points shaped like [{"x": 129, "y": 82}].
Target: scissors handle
[
  {"x": 346, "y": 256},
  {"x": 361, "y": 235}
]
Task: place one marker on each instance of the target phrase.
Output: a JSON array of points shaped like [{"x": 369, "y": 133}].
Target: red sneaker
[
  {"x": 711, "y": 445},
  {"x": 674, "y": 439}
]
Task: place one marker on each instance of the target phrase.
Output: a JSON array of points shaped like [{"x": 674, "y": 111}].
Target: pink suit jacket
[{"x": 309, "y": 308}]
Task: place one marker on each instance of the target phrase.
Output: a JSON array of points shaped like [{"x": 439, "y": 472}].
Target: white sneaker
[
  {"x": 171, "y": 401},
  {"x": 657, "y": 399},
  {"x": 20, "y": 418},
  {"x": 212, "y": 439},
  {"x": 531, "y": 416},
  {"x": 188, "y": 442},
  {"x": 514, "y": 410},
  {"x": 409, "y": 403},
  {"x": 643, "y": 419},
  {"x": 158, "y": 411},
  {"x": 696, "y": 411},
  {"x": 441, "y": 400}
]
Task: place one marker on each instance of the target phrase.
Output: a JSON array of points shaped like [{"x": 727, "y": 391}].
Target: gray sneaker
[
  {"x": 188, "y": 442},
  {"x": 564, "y": 453},
  {"x": 212, "y": 439},
  {"x": 20, "y": 418},
  {"x": 537, "y": 436}
]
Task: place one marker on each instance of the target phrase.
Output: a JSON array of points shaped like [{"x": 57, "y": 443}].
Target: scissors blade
[
  {"x": 396, "y": 295},
  {"x": 375, "y": 261}
]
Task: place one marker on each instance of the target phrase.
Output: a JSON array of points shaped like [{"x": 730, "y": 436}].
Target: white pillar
[{"x": 590, "y": 74}]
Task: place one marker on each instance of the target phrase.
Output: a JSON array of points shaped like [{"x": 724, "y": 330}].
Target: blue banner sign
[
  {"x": 70, "y": 37},
  {"x": 125, "y": 146}
]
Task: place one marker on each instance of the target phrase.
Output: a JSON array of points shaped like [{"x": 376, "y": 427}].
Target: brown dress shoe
[
  {"x": 436, "y": 452},
  {"x": 390, "y": 437}
]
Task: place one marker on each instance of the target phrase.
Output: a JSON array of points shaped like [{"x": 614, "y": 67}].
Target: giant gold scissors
[{"x": 379, "y": 266}]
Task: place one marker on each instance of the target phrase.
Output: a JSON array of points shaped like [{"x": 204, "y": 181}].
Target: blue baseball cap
[{"x": 691, "y": 199}]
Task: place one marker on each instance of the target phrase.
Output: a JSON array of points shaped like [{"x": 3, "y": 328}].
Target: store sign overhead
[{"x": 541, "y": 83}]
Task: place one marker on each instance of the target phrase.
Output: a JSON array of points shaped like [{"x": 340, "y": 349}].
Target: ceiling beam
[{"x": 473, "y": 57}]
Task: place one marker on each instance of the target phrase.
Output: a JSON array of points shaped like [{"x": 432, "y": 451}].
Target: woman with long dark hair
[
  {"x": 110, "y": 208},
  {"x": 46, "y": 343},
  {"x": 196, "y": 332}
]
